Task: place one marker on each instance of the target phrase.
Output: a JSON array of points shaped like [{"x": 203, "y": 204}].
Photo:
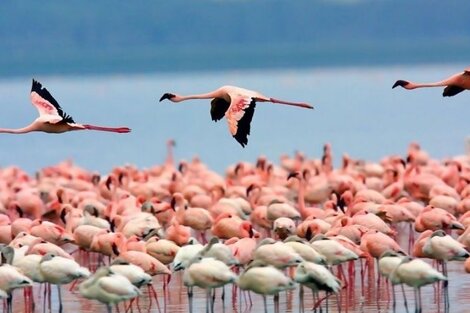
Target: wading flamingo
[
  {"x": 454, "y": 84},
  {"x": 52, "y": 118},
  {"x": 415, "y": 273},
  {"x": 264, "y": 280},
  {"x": 58, "y": 271},
  {"x": 238, "y": 106},
  {"x": 317, "y": 278},
  {"x": 108, "y": 287}
]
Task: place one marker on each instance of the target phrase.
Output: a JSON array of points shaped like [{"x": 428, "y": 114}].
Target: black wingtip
[
  {"x": 401, "y": 83},
  {"x": 36, "y": 86},
  {"x": 241, "y": 141},
  {"x": 452, "y": 90},
  {"x": 167, "y": 96}
]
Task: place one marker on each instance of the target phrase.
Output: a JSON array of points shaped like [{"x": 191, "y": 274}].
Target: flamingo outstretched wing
[
  {"x": 46, "y": 104},
  {"x": 239, "y": 116}
]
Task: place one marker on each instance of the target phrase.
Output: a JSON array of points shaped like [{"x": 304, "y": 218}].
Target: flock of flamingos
[{"x": 263, "y": 227}]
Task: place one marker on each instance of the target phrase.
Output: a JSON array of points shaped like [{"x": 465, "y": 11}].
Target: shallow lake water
[{"x": 361, "y": 295}]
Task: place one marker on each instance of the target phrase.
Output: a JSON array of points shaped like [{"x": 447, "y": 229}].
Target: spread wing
[
  {"x": 239, "y": 116},
  {"x": 46, "y": 104},
  {"x": 218, "y": 108}
]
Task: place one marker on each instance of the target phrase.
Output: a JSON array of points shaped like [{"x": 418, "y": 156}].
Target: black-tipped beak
[
  {"x": 167, "y": 96},
  {"x": 401, "y": 83},
  {"x": 293, "y": 175},
  {"x": 251, "y": 233},
  {"x": 108, "y": 183},
  {"x": 63, "y": 213},
  {"x": 249, "y": 189},
  {"x": 115, "y": 249}
]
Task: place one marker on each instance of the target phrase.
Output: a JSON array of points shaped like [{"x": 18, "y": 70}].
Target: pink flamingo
[
  {"x": 454, "y": 84},
  {"x": 52, "y": 118},
  {"x": 238, "y": 106}
]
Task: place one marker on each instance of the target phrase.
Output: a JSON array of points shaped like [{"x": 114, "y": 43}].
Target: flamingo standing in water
[
  {"x": 238, "y": 106},
  {"x": 52, "y": 118},
  {"x": 454, "y": 84}
]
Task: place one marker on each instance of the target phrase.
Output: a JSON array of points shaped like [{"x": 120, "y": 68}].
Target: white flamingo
[
  {"x": 58, "y": 271},
  {"x": 135, "y": 274},
  {"x": 264, "y": 280},
  {"x": 415, "y": 273},
  {"x": 108, "y": 288},
  {"x": 207, "y": 273},
  {"x": 317, "y": 278},
  {"x": 10, "y": 277}
]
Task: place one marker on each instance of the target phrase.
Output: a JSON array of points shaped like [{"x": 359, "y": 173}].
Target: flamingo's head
[
  {"x": 401, "y": 83},
  {"x": 168, "y": 96}
]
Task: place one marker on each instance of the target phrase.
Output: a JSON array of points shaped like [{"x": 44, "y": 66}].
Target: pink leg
[
  {"x": 155, "y": 297},
  {"x": 75, "y": 282}
]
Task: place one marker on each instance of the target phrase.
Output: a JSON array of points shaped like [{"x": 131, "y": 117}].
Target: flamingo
[
  {"x": 305, "y": 251},
  {"x": 238, "y": 106},
  {"x": 185, "y": 254},
  {"x": 58, "y": 270},
  {"x": 52, "y": 118},
  {"x": 388, "y": 262},
  {"x": 415, "y": 273},
  {"x": 135, "y": 274},
  {"x": 10, "y": 277},
  {"x": 276, "y": 253},
  {"x": 317, "y": 278},
  {"x": 454, "y": 84},
  {"x": 264, "y": 280},
  {"x": 108, "y": 287},
  {"x": 207, "y": 273}
]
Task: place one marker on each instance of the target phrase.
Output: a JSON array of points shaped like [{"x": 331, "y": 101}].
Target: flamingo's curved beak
[
  {"x": 167, "y": 96},
  {"x": 293, "y": 174},
  {"x": 401, "y": 83}
]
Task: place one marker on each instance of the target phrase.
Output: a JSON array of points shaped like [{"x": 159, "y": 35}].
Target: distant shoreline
[{"x": 202, "y": 58}]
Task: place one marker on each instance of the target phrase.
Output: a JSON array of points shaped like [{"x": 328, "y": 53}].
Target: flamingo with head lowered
[
  {"x": 52, "y": 118},
  {"x": 454, "y": 84},
  {"x": 238, "y": 106}
]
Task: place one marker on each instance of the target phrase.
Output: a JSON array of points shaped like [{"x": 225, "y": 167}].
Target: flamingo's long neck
[
  {"x": 424, "y": 85},
  {"x": 448, "y": 81},
  {"x": 302, "y": 196},
  {"x": 210, "y": 95}
]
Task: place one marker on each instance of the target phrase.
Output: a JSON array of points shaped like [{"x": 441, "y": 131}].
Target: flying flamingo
[
  {"x": 52, "y": 118},
  {"x": 454, "y": 84},
  {"x": 238, "y": 106}
]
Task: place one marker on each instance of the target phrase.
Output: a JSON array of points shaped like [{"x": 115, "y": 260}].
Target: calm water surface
[{"x": 364, "y": 296}]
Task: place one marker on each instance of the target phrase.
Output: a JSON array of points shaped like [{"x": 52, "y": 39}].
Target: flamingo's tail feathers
[{"x": 108, "y": 129}]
